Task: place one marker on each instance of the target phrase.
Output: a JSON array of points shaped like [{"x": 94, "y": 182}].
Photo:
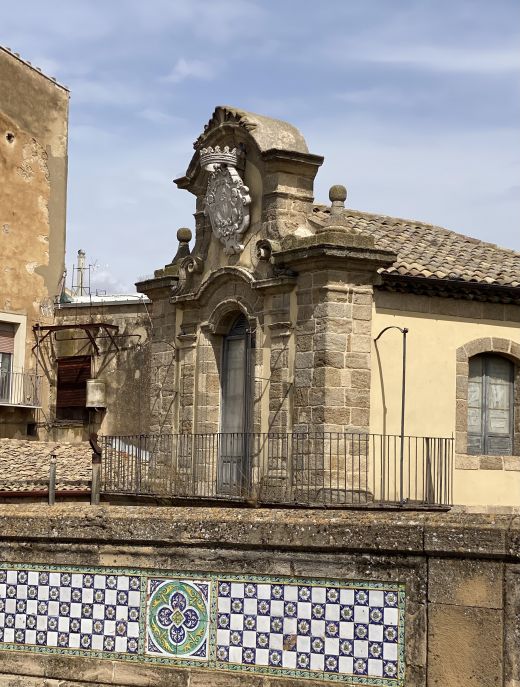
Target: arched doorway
[{"x": 235, "y": 409}]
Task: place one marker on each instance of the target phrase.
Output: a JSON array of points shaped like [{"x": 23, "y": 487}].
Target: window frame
[{"x": 486, "y": 435}]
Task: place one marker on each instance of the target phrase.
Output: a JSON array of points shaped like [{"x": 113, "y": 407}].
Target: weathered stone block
[
  {"x": 360, "y": 379},
  {"x": 304, "y": 342},
  {"x": 362, "y": 312},
  {"x": 362, "y": 298},
  {"x": 316, "y": 396},
  {"x": 491, "y": 463},
  {"x": 357, "y": 361},
  {"x": 337, "y": 416},
  {"x": 512, "y": 463},
  {"x": 336, "y": 310},
  {"x": 460, "y": 651},
  {"x": 334, "y": 396},
  {"x": 360, "y": 417},
  {"x": 360, "y": 343},
  {"x": 329, "y": 359},
  {"x": 334, "y": 325},
  {"x": 330, "y": 342},
  {"x": 478, "y": 346},
  {"x": 362, "y": 327},
  {"x": 466, "y": 583},
  {"x": 461, "y": 415},
  {"x": 303, "y": 378},
  {"x": 326, "y": 377},
  {"x": 467, "y": 462},
  {"x": 359, "y": 398}
]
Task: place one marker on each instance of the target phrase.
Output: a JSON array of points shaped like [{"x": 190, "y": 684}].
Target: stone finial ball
[
  {"x": 337, "y": 193},
  {"x": 184, "y": 235}
]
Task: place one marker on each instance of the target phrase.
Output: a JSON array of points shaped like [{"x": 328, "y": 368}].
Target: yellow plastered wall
[{"x": 432, "y": 342}]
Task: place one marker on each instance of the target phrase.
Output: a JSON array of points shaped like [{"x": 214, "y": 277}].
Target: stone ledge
[
  {"x": 466, "y": 461},
  {"x": 494, "y": 536}
]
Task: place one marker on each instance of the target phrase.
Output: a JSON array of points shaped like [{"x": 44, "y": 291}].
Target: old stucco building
[
  {"x": 274, "y": 315},
  {"x": 54, "y": 350},
  {"x": 267, "y": 385},
  {"x": 33, "y": 169}
]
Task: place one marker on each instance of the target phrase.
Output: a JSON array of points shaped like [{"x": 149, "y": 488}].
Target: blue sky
[{"x": 414, "y": 104}]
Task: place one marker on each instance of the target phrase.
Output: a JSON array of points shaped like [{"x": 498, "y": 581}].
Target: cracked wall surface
[{"x": 33, "y": 169}]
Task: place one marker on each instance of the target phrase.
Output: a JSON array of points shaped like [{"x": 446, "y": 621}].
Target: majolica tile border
[{"x": 315, "y": 628}]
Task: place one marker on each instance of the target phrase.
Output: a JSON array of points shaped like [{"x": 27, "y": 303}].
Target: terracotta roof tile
[
  {"x": 24, "y": 465},
  {"x": 425, "y": 250}
]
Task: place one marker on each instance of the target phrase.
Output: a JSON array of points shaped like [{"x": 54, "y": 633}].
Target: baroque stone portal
[{"x": 227, "y": 197}]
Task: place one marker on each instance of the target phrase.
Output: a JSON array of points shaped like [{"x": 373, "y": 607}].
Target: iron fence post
[
  {"x": 96, "y": 470},
  {"x": 52, "y": 480},
  {"x": 403, "y": 400}
]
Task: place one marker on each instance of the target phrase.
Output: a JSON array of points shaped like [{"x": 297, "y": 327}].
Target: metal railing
[
  {"x": 299, "y": 469},
  {"x": 20, "y": 389}
]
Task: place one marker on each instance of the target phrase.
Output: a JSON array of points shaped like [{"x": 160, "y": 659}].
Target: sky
[{"x": 415, "y": 105}]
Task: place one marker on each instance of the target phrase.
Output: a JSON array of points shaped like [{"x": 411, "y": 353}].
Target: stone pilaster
[{"x": 336, "y": 273}]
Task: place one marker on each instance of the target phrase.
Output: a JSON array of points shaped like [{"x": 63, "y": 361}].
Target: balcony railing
[
  {"x": 336, "y": 470},
  {"x": 20, "y": 389}
]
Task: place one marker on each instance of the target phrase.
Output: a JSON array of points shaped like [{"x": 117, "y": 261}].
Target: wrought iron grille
[{"x": 299, "y": 469}]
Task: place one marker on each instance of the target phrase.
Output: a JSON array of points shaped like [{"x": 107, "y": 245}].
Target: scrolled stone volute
[{"x": 264, "y": 249}]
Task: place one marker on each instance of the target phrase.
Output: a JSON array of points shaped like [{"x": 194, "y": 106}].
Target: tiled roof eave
[{"x": 450, "y": 288}]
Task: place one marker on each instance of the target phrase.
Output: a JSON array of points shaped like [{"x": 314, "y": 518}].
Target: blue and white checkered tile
[
  {"x": 327, "y": 629},
  {"x": 70, "y": 610}
]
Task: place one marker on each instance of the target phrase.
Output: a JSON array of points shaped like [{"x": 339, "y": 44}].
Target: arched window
[
  {"x": 235, "y": 405},
  {"x": 490, "y": 405}
]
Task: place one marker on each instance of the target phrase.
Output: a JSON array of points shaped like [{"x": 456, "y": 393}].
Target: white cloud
[
  {"x": 189, "y": 69},
  {"x": 444, "y": 58},
  {"x": 158, "y": 116},
  {"x": 103, "y": 280}
]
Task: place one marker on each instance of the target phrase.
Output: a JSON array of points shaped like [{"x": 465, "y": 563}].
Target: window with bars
[{"x": 490, "y": 405}]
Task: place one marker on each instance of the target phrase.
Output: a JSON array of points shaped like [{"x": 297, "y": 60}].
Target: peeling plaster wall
[{"x": 33, "y": 169}]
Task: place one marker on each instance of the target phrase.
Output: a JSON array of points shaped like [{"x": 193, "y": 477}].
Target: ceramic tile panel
[
  {"x": 325, "y": 630},
  {"x": 330, "y": 630}
]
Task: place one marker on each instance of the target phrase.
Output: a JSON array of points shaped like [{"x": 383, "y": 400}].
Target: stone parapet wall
[{"x": 460, "y": 574}]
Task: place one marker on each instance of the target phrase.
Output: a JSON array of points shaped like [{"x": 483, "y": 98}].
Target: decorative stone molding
[
  {"x": 265, "y": 248},
  {"x": 187, "y": 267},
  {"x": 221, "y": 317},
  {"x": 509, "y": 349},
  {"x": 225, "y": 115},
  {"x": 221, "y": 274},
  {"x": 227, "y": 198}
]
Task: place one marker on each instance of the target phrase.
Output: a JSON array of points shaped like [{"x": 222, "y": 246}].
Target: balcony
[
  {"x": 334, "y": 470},
  {"x": 20, "y": 389}
]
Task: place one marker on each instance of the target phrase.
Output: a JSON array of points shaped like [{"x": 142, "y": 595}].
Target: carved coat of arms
[{"x": 227, "y": 198}]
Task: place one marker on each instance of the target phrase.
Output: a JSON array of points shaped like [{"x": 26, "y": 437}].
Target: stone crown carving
[{"x": 211, "y": 158}]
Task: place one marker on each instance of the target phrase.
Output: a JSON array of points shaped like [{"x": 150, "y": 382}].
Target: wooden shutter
[
  {"x": 73, "y": 373},
  {"x": 7, "y": 337},
  {"x": 499, "y": 406},
  {"x": 490, "y": 405}
]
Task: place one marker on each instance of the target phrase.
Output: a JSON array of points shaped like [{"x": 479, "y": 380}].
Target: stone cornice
[
  {"x": 448, "y": 288},
  {"x": 312, "y": 253},
  {"x": 430, "y": 534},
  {"x": 156, "y": 286}
]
